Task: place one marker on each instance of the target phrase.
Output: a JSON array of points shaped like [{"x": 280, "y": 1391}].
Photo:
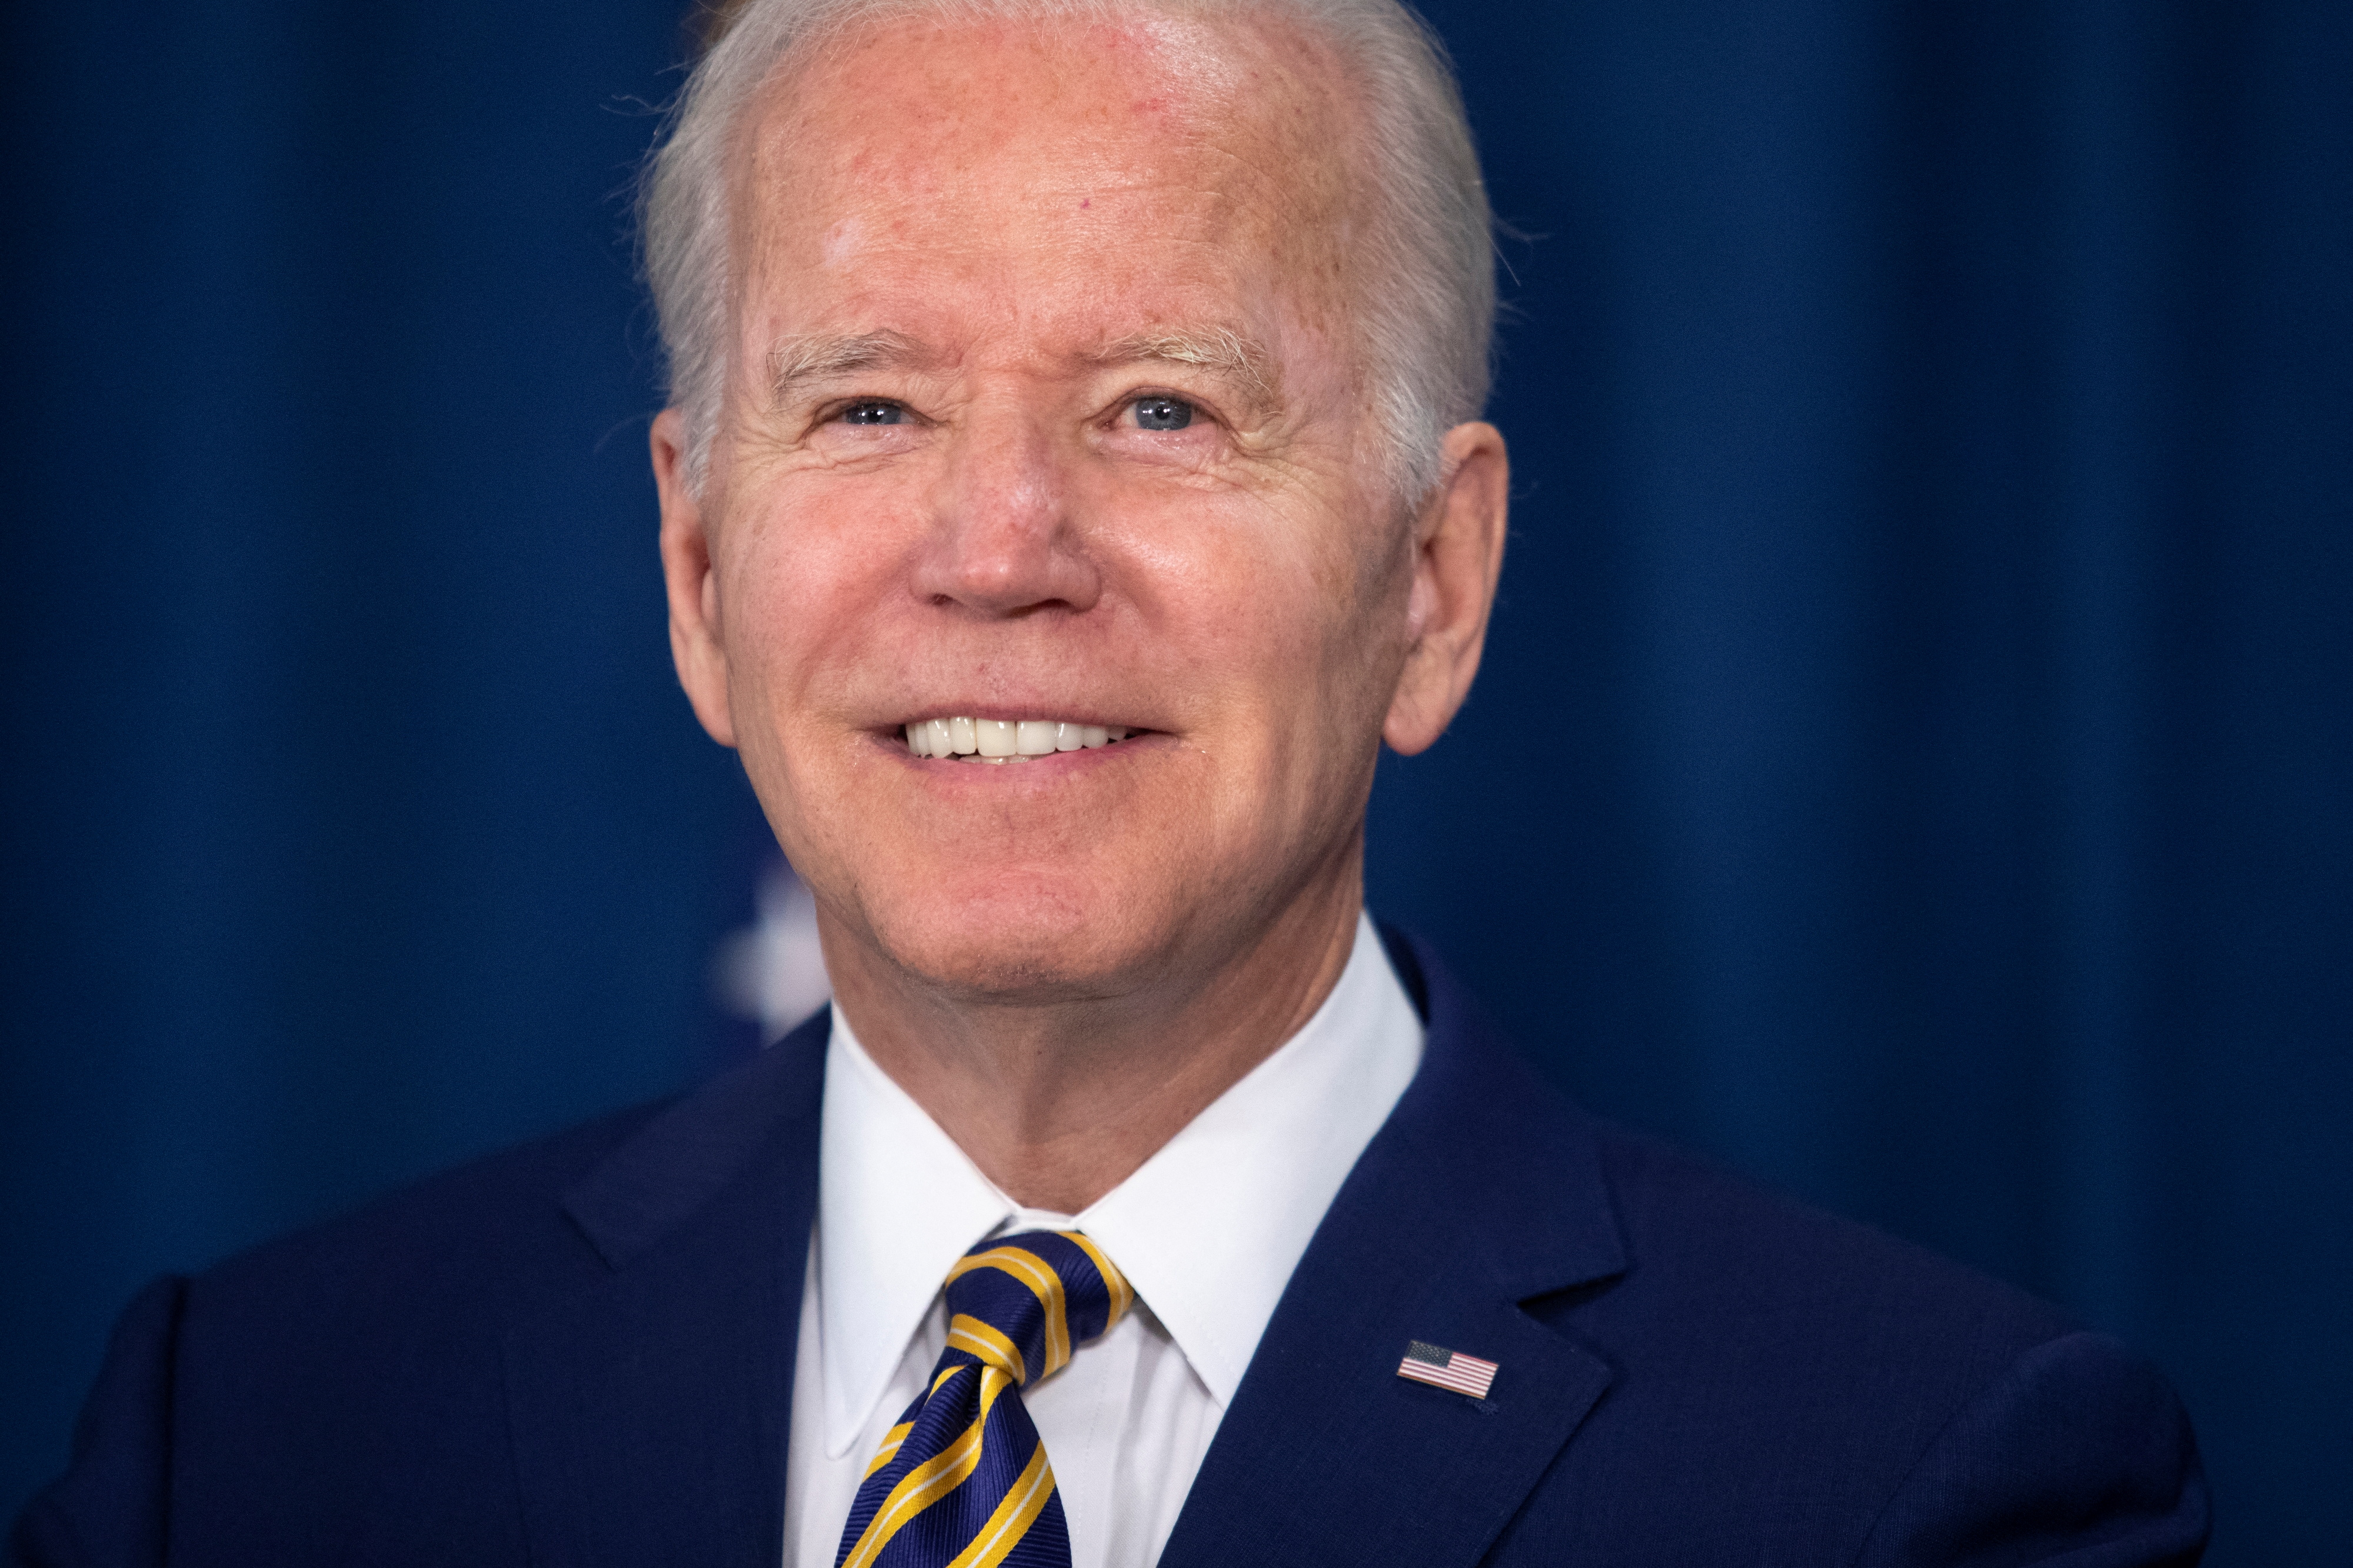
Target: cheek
[
  {"x": 790, "y": 582},
  {"x": 1355, "y": 628},
  {"x": 1274, "y": 614}
]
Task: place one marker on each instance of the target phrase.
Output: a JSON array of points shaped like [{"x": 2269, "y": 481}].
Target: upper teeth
[{"x": 1004, "y": 740}]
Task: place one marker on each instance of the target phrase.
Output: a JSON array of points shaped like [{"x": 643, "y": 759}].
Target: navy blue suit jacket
[{"x": 581, "y": 1352}]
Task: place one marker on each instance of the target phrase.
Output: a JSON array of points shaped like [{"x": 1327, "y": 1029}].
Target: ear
[
  {"x": 1458, "y": 553},
  {"x": 696, "y": 644}
]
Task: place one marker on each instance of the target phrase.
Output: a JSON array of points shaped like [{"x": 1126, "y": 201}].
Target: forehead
[{"x": 1150, "y": 158}]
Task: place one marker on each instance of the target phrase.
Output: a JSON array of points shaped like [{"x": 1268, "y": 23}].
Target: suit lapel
[
  {"x": 650, "y": 1406},
  {"x": 1483, "y": 1191}
]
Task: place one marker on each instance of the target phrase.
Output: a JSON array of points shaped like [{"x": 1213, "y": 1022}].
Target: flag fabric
[{"x": 1446, "y": 1369}]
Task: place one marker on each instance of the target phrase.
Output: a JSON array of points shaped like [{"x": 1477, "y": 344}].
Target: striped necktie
[{"x": 962, "y": 1480}]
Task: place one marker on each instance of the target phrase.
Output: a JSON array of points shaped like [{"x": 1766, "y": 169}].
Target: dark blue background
[{"x": 1914, "y": 761}]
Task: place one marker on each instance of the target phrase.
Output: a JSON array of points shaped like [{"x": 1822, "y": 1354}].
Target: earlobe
[
  {"x": 697, "y": 647},
  {"x": 1458, "y": 555}
]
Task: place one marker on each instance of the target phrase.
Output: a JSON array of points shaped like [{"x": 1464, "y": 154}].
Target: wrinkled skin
[{"x": 1045, "y": 404}]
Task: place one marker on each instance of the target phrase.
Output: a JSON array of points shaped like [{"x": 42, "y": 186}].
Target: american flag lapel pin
[{"x": 1446, "y": 1369}]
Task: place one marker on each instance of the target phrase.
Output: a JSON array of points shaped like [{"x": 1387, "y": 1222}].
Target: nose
[{"x": 1003, "y": 540}]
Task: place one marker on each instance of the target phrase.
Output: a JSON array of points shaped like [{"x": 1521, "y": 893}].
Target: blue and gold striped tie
[{"x": 962, "y": 1480}]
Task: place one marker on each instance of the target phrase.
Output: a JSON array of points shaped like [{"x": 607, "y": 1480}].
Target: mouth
[{"x": 965, "y": 740}]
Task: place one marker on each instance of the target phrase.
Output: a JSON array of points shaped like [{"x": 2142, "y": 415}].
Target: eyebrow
[
  {"x": 1222, "y": 350},
  {"x": 1239, "y": 358},
  {"x": 824, "y": 357}
]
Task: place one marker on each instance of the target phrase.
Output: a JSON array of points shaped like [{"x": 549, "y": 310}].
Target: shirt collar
[
  {"x": 898, "y": 1202},
  {"x": 1208, "y": 1230}
]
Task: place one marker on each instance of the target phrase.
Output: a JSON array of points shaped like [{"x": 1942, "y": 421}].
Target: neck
[{"x": 1059, "y": 1102}]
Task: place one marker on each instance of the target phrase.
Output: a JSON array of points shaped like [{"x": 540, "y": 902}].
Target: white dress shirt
[{"x": 1208, "y": 1230}]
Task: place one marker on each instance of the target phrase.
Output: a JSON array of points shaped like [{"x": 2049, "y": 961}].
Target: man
[{"x": 1073, "y": 476}]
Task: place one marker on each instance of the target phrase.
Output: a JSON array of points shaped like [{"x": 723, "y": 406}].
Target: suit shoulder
[
  {"x": 1836, "y": 1385},
  {"x": 502, "y": 1230},
  {"x": 496, "y": 1215},
  {"x": 283, "y": 1388},
  {"x": 1706, "y": 1243},
  {"x": 1848, "y": 1396}
]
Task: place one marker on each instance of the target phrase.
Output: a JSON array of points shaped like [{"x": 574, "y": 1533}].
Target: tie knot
[{"x": 1020, "y": 1302}]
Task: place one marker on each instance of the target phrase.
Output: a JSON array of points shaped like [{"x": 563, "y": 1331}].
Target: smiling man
[
  {"x": 1043, "y": 415},
  {"x": 1073, "y": 477}
]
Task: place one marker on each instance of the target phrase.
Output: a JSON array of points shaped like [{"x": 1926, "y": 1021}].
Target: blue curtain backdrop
[{"x": 1914, "y": 761}]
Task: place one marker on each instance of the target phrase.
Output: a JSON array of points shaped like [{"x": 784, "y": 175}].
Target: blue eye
[
  {"x": 1163, "y": 413},
  {"x": 873, "y": 411}
]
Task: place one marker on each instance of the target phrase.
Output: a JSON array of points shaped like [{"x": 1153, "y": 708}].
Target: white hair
[{"x": 1425, "y": 327}]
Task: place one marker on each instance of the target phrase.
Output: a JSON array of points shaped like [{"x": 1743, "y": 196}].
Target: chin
[{"x": 1049, "y": 940}]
